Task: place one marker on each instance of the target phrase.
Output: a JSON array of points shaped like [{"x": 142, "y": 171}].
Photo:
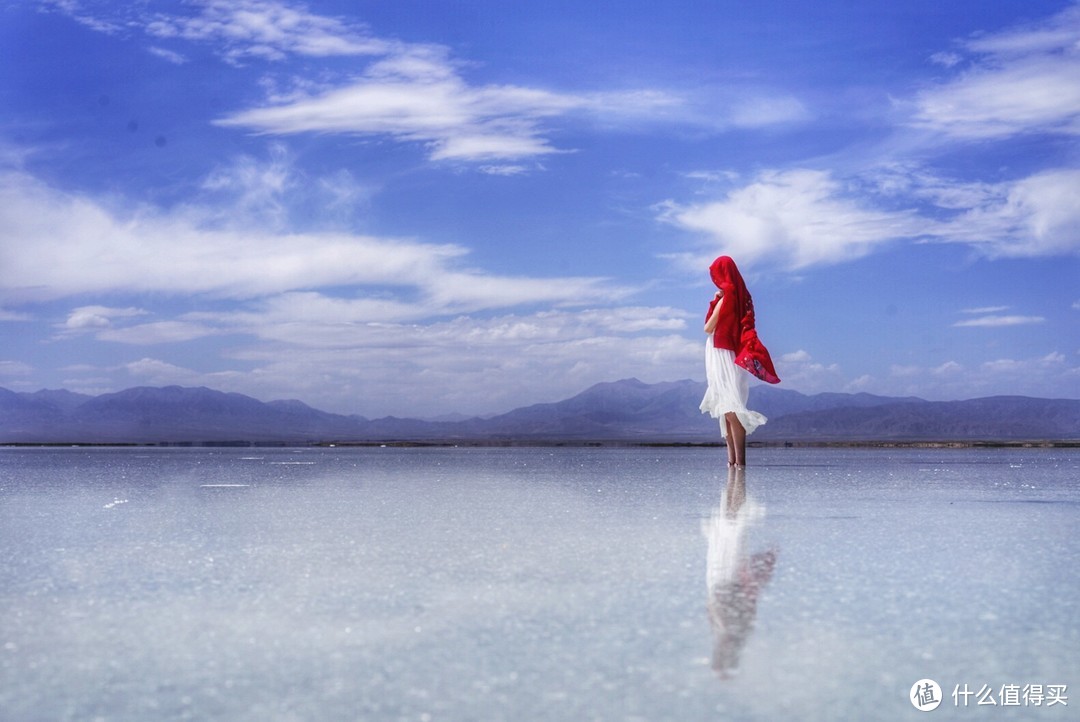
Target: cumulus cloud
[
  {"x": 1022, "y": 80},
  {"x": 156, "y": 372},
  {"x": 793, "y": 219},
  {"x": 97, "y": 317},
  {"x": 1049, "y": 375},
  {"x": 797, "y": 219},
  {"x": 800, "y": 370}
]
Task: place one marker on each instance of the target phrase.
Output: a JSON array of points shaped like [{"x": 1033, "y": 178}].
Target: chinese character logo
[{"x": 925, "y": 695}]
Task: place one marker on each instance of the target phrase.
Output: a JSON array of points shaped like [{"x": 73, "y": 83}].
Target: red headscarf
[{"x": 750, "y": 353}]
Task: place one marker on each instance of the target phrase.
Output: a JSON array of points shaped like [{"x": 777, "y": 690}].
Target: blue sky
[{"x": 422, "y": 207}]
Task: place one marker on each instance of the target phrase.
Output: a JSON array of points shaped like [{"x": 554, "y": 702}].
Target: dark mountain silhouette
[{"x": 627, "y": 410}]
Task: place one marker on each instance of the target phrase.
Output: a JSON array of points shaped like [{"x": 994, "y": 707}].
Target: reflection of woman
[
  {"x": 733, "y": 347},
  {"x": 734, "y": 579}
]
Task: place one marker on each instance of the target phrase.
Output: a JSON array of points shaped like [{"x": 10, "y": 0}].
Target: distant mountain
[
  {"x": 996, "y": 417},
  {"x": 627, "y": 410},
  {"x": 174, "y": 414}
]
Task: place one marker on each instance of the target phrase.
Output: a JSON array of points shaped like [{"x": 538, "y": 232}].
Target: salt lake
[{"x": 538, "y": 584}]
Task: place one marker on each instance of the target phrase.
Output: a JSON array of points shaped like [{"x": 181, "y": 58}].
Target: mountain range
[{"x": 620, "y": 411}]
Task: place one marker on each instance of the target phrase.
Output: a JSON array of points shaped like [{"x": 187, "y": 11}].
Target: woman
[{"x": 733, "y": 347}]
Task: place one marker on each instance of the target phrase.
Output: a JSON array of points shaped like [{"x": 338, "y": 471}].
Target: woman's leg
[
  {"x": 736, "y": 440},
  {"x": 728, "y": 441}
]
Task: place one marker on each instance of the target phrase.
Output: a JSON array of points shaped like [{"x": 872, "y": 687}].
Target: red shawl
[{"x": 739, "y": 334}]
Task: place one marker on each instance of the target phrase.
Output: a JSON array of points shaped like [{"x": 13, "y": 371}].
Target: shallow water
[{"x": 535, "y": 584}]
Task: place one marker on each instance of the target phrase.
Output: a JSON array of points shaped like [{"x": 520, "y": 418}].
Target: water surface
[{"x": 533, "y": 584}]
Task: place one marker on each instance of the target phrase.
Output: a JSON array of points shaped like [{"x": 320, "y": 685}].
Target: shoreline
[{"x": 573, "y": 443}]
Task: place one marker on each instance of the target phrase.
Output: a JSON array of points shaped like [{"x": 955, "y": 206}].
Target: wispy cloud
[
  {"x": 6, "y": 315},
  {"x": 14, "y": 369},
  {"x": 994, "y": 321},
  {"x": 309, "y": 348},
  {"x": 72, "y": 244},
  {"x": 418, "y": 93},
  {"x": 168, "y": 55},
  {"x": 1020, "y": 81},
  {"x": 421, "y": 99},
  {"x": 95, "y": 20},
  {"x": 1033, "y": 216},
  {"x": 266, "y": 30}
]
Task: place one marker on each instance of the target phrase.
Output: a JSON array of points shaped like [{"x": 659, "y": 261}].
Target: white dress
[{"x": 729, "y": 389}]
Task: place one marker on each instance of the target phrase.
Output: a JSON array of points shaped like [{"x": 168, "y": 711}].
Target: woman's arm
[{"x": 714, "y": 317}]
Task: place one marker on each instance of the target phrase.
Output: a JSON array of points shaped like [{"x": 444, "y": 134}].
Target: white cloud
[
  {"x": 504, "y": 170},
  {"x": 759, "y": 112},
  {"x": 713, "y": 176},
  {"x": 799, "y": 356},
  {"x": 1022, "y": 81},
  {"x": 946, "y": 59},
  {"x": 307, "y": 348},
  {"x": 800, "y": 371},
  {"x": 93, "y": 318},
  {"x": 1047, "y": 376},
  {"x": 157, "y": 332},
  {"x": 416, "y": 94},
  {"x": 985, "y": 309},
  {"x": 75, "y": 10},
  {"x": 947, "y": 368},
  {"x": 265, "y": 30},
  {"x": 12, "y": 369},
  {"x": 1052, "y": 361},
  {"x": 793, "y": 219},
  {"x": 994, "y": 321},
  {"x": 908, "y": 180},
  {"x": 155, "y": 372},
  {"x": 801, "y": 218},
  {"x": 905, "y": 371},
  {"x": 1034, "y": 216},
  {"x": 6, "y": 315},
  {"x": 168, "y": 55},
  {"x": 55, "y": 245}
]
